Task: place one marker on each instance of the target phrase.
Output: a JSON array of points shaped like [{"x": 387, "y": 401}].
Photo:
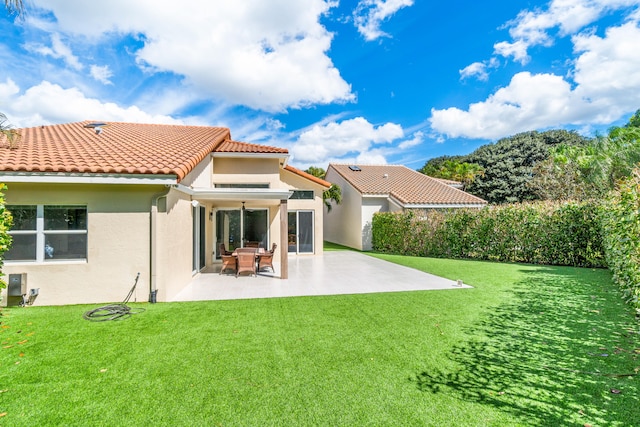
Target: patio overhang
[{"x": 235, "y": 194}]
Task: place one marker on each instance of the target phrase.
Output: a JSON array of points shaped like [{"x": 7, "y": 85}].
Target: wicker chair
[
  {"x": 222, "y": 249},
  {"x": 229, "y": 262},
  {"x": 246, "y": 261},
  {"x": 266, "y": 260}
]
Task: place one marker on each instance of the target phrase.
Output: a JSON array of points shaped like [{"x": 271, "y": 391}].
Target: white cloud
[
  {"x": 354, "y": 137},
  {"x": 370, "y": 14},
  {"x": 418, "y": 138},
  {"x": 602, "y": 87},
  {"x": 479, "y": 69},
  {"x": 266, "y": 55},
  {"x": 58, "y": 50},
  {"x": 54, "y": 104},
  {"x": 101, "y": 74},
  {"x": 531, "y": 28}
]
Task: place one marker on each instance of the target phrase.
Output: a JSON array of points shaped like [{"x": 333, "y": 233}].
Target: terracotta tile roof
[
  {"x": 230, "y": 146},
  {"x": 121, "y": 148},
  {"x": 406, "y": 185},
  {"x": 308, "y": 176}
]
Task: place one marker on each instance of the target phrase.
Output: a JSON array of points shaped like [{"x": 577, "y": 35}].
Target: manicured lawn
[{"x": 527, "y": 346}]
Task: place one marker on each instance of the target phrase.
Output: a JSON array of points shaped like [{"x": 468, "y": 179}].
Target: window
[
  {"x": 241, "y": 185},
  {"x": 48, "y": 233},
  {"x": 302, "y": 194}
]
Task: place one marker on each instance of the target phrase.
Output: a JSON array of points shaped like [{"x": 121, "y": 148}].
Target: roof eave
[{"x": 87, "y": 178}]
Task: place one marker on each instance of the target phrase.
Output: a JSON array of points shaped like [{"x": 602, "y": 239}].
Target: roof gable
[
  {"x": 407, "y": 186},
  {"x": 115, "y": 148}
]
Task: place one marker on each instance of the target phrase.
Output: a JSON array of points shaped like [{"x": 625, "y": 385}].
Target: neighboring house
[
  {"x": 369, "y": 189},
  {"x": 96, "y": 203}
]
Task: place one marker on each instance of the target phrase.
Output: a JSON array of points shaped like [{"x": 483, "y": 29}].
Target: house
[
  {"x": 96, "y": 203},
  {"x": 367, "y": 189}
]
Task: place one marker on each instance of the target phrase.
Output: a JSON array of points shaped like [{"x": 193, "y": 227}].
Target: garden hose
[{"x": 114, "y": 311}]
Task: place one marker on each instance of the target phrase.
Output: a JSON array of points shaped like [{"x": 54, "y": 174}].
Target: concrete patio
[{"x": 333, "y": 273}]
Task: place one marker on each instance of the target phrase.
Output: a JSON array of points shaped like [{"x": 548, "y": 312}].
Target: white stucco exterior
[{"x": 126, "y": 234}]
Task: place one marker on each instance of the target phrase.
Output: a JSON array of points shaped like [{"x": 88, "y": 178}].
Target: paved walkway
[{"x": 333, "y": 273}]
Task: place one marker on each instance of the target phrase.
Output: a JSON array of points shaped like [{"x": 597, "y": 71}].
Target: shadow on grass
[{"x": 562, "y": 351}]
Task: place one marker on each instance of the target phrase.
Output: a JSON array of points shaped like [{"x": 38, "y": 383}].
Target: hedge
[
  {"x": 581, "y": 234},
  {"x": 541, "y": 233},
  {"x": 621, "y": 230}
]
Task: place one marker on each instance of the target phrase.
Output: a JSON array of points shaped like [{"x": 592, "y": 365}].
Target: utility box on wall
[{"x": 16, "y": 288}]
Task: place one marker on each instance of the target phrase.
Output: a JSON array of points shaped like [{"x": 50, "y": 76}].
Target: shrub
[
  {"x": 621, "y": 228},
  {"x": 543, "y": 233},
  {"x": 5, "y": 239}
]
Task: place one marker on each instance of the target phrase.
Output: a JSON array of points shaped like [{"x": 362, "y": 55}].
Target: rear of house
[
  {"x": 96, "y": 203},
  {"x": 367, "y": 189}
]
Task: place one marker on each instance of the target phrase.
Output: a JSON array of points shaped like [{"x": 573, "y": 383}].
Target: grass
[{"x": 526, "y": 346}]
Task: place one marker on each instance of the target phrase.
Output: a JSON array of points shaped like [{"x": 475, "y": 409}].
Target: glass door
[
  {"x": 301, "y": 238},
  {"x": 199, "y": 238},
  {"x": 237, "y": 228}
]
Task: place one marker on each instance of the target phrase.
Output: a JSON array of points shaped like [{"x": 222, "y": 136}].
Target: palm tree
[
  {"x": 334, "y": 193},
  {"x": 14, "y": 6},
  {"x": 13, "y": 136}
]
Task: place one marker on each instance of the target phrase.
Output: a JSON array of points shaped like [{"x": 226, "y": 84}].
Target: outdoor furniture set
[{"x": 246, "y": 260}]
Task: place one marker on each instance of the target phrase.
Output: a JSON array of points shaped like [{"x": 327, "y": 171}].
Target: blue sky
[{"x": 371, "y": 81}]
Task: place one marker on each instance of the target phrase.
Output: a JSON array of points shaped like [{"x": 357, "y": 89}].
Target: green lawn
[{"x": 526, "y": 346}]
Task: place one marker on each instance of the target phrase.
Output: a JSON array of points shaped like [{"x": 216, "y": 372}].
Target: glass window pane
[
  {"x": 302, "y": 195},
  {"x": 305, "y": 232},
  {"x": 23, "y": 248},
  {"x": 65, "y": 218},
  {"x": 292, "y": 231},
  {"x": 24, "y": 217},
  {"x": 255, "y": 227},
  {"x": 227, "y": 230},
  {"x": 65, "y": 246}
]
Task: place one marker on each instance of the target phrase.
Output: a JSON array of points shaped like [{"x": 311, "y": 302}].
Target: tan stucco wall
[
  {"x": 118, "y": 243},
  {"x": 343, "y": 225},
  {"x": 174, "y": 246},
  {"x": 296, "y": 182},
  {"x": 371, "y": 205}
]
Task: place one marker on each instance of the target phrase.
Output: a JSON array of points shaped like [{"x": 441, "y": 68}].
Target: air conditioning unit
[{"x": 17, "y": 287}]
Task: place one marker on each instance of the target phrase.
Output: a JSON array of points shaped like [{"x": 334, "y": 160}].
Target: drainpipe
[{"x": 153, "y": 252}]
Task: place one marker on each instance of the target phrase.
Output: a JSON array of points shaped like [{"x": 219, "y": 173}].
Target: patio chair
[
  {"x": 251, "y": 244},
  {"x": 222, "y": 249},
  {"x": 229, "y": 262},
  {"x": 266, "y": 260},
  {"x": 246, "y": 261}
]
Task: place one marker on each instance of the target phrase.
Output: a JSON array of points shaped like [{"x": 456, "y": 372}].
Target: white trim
[
  {"x": 283, "y": 156},
  {"x": 234, "y": 193},
  {"x": 86, "y": 178}
]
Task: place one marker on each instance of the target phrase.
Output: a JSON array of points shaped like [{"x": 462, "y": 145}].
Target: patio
[{"x": 333, "y": 273}]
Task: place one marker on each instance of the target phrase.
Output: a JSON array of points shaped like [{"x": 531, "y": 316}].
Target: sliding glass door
[
  {"x": 301, "y": 232},
  {"x": 238, "y": 228},
  {"x": 199, "y": 238}
]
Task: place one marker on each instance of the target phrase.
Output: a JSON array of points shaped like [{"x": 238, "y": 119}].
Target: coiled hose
[{"x": 114, "y": 311}]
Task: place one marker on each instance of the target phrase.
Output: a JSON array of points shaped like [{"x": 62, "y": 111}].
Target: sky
[{"x": 366, "y": 82}]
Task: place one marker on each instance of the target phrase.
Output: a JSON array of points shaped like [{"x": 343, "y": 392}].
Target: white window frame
[{"x": 41, "y": 233}]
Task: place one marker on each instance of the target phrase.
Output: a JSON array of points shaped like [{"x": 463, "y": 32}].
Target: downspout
[{"x": 153, "y": 252}]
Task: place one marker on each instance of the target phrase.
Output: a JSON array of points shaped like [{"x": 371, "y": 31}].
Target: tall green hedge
[
  {"x": 621, "y": 230},
  {"x": 543, "y": 233},
  {"x": 5, "y": 239}
]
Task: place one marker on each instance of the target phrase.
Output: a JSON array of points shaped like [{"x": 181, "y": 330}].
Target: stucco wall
[
  {"x": 343, "y": 225},
  {"x": 118, "y": 243},
  {"x": 371, "y": 205}
]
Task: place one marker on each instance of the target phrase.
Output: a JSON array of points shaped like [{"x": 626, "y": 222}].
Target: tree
[
  {"x": 455, "y": 170},
  {"x": 12, "y": 135},
  {"x": 508, "y": 164},
  {"x": 591, "y": 170},
  {"x": 5, "y": 238},
  {"x": 14, "y": 6},
  {"x": 333, "y": 194}
]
